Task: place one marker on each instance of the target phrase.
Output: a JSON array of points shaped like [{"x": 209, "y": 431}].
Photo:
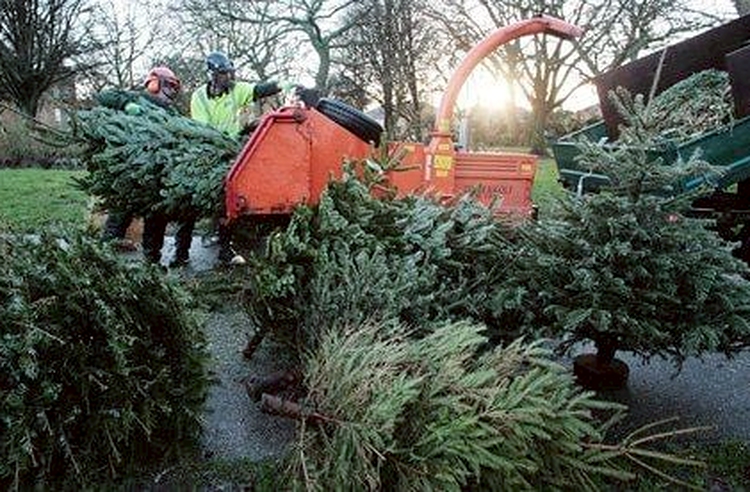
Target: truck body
[
  {"x": 727, "y": 146},
  {"x": 723, "y": 48}
]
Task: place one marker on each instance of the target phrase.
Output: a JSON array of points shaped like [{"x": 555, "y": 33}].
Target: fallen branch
[{"x": 274, "y": 405}]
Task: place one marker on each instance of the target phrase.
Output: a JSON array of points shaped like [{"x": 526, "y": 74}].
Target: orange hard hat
[{"x": 160, "y": 75}]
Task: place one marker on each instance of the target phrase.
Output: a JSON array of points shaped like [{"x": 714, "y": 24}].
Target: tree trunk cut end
[{"x": 594, "y": 374}]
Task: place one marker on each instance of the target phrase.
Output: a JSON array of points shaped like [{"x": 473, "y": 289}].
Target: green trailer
[{"x": 728, "y": 147}]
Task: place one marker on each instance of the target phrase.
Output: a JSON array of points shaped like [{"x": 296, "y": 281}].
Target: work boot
[
  {"x": 182, "y": 253},
  {"x": 225, "y": 256},
  {"x": 152, "y": 258},
  {"x": 155, "y": 260},
  {"x": 124, "y": 245},
  {"x": 116, "y": 225},
  {"x": 179, "y": 263},
  {"x": 229, "y": 257}
]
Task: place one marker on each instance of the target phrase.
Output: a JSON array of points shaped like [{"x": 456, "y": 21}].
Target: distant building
[
  {"x": 589, "y": 114},
  {"x": 60, "y": 96},
  {"x": 17, "y": 147},
  {"x": 51, "y": 106}
]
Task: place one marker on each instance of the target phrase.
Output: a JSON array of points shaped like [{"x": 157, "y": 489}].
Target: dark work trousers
[
  {"x": 226, "y": 252},
  {"x": 154, "y": 228},
  {"x": 224, "y": 233},
  {"x": 116, "y": 225},
  {"x": 183, "y": 239}
]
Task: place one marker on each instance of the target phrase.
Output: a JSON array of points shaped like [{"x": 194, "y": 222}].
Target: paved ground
[
  {"x": 713, "y": 391},
  {"x": 235, "y": 427}
]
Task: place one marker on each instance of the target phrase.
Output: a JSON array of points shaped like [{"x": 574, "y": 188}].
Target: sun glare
[{"x": 484, "y": 89}]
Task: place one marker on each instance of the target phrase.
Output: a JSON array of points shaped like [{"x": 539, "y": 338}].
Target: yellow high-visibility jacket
[{"x": 223, "y": 112}]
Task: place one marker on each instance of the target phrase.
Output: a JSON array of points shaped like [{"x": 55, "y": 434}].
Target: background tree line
[{"x": 394, "y": 54}]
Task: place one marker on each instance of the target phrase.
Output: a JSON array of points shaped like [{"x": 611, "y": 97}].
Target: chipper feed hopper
[
  {"x": 296, "y": 150},
  {"x": 723, "y": 48}
]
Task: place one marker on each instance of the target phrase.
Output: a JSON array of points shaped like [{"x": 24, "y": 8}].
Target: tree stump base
[
  {"x": 273, "y": 383},
  {"x": 593, "y": 374}
]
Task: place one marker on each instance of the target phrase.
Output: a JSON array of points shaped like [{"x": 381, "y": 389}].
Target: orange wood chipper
[{"x": 296, "y": 150}]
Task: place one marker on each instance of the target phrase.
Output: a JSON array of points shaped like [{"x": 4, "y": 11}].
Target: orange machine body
[
  {"x": 288, "y": 161},
  {"x": 295, "y": 151}
]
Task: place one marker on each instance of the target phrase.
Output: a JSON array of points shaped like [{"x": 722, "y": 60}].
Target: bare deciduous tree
[
  {"x": 39, "y": 40},
  {"x": 742, "y": 6},
  {"x": 126, "y": 37},
  {"x": 261, "y": 49},
  {"x": 392, "y": 56},
  {"x": 319, "y": 25},
  {"x": 323, "y": 23}
]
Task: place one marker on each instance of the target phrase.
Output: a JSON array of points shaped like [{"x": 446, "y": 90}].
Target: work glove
[
  {"x": 249, "y": 127},
  {"x": 133, "y": 109},
  {"x": 308, "y": 96}
]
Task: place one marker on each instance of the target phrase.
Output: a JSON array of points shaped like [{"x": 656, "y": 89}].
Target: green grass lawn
[
  {"x": 546, "y": 185},
  {"x": 31, "y": 198}
]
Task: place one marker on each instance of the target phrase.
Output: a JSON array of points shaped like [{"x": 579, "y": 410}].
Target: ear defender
[{"x": 152, "y": 85}]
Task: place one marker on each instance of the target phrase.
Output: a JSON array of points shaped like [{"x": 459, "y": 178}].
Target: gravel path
[
  {"x": 713, "y": 391},
  {"x": 235, "y": 427},
  {"x": 710, "y": 391}
]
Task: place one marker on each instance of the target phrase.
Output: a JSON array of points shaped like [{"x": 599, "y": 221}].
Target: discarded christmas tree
[
  {"x": 626, "y": 269},
  {"x": 103, "y": 366},
  {"x": 151, "y": 162}
]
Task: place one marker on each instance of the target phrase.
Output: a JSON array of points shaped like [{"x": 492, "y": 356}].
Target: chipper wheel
[{"x": 352, "y": 119}]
